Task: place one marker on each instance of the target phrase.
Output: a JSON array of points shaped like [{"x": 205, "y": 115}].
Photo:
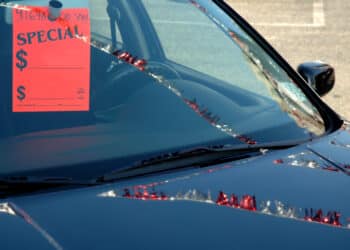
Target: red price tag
[{"x": 51, "y": 61}]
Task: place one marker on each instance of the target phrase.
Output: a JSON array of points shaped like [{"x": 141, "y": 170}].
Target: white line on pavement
[{"x": 318, "y": 18}]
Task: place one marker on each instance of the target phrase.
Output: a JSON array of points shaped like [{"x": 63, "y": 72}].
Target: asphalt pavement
[{"x": 306, "y": 30}]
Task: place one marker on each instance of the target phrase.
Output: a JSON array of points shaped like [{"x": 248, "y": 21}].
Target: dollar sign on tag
[
  {"x": 21, "y": 94},
  {"x": 22, "y": 62}
]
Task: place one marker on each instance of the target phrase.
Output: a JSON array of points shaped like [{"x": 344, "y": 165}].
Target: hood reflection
[
  {"x": 246, "y": 202},
  {"x": 306, "y": 159},
  {"x": 14, "y": 210},
  {"x": 7, "y": 209}
]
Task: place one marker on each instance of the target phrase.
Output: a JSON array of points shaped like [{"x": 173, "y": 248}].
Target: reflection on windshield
[
  {"x": 284, "y": 92},
  {"x": 140, "y": 64},
  {"x": 118, "y": 85}
]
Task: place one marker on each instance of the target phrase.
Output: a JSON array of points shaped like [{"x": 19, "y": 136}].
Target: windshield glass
[{"x": 91, "y": 80}]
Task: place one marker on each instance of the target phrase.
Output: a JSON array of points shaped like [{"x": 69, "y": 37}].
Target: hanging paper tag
[{"x": 51, "y": 60}]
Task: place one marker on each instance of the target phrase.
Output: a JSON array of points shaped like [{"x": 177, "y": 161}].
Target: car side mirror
[{"x": 319, "y": 75}]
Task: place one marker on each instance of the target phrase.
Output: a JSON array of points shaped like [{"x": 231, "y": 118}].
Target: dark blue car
[{"x": 163, "y": 124}]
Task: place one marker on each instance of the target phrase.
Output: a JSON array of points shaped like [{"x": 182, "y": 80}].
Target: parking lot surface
[{"x": 305, "y": 30}]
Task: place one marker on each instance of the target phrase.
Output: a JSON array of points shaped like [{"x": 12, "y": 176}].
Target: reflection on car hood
[{"x": 288, "y": 199}]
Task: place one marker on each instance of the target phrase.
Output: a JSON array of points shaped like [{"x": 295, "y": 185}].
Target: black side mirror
[{"x": 319, "y": 75}]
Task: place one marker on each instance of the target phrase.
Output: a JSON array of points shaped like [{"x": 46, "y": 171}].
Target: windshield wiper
[
  {"x": 16, "y": 185},
  {"x": 195, "y": 157}
]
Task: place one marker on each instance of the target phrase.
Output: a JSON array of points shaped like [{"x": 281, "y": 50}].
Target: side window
[{"x": 102, "y": 32}]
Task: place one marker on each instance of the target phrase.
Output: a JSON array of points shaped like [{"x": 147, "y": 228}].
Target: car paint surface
[{"x": 297, "y": 198}]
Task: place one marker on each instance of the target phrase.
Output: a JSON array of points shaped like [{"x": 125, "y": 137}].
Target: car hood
[{"x": 288, "y": 199}]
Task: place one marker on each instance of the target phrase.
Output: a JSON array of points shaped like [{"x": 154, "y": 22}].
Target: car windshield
[{"x": 91, "y": 80}]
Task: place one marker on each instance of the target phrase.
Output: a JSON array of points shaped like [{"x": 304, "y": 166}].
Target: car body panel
[
  {"x": 295, "y": 198},
  {"x": 185, "y": 210}
]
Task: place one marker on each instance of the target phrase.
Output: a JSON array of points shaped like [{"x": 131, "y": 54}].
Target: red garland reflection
[
  {"x": 144, "y": 195},
  {"x": 309, "y": 160},
  {"x": 332, "y": 217},
  {"x": 245, "y": 202},
  {"x": 128, "y": 58}
]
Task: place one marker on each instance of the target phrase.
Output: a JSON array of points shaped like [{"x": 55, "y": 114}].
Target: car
[{"x": 163, "y": 124}]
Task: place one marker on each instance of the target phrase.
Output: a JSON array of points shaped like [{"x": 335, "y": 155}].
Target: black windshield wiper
[
  {"x": 195, "y": 157},
  {"x": 15, "y": 185}
]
